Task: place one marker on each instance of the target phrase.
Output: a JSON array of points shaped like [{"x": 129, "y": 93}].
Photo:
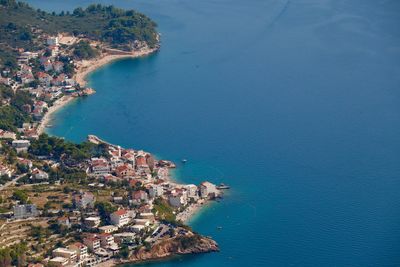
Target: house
[
  {"x": 64, "y": 221},
  {"x": 25, "y": 211},
  {"x": 155, "y": 190},
  {"x": 47, "y": 66},
  {"x": 137, "y": 228},
  {"x": 35, "y": 265},
  {"x": 107, "y": 229},
  {"x": 141, "y": 160},
  {"x": 21, "y": 145},
  {"x": 80, "y": 249},
  {"x": 65, "y": 253},
  {"x": 25, "y": 162},
  {"x": 192, "y": 191},
  {"x": 139, "y": 196},
  {"x": 53, "y": 50},
  {"x": 40, "y": 105},
  {"x": 106, "y": 240},
  {"x": 5, "y": 171},
  {"x": 178, "y": 198},
  {"x": 92, "y": 242},
  {"x": 91, "y": 222},
  {"x": 39, "y": 175},
  {"x": 100, "y": 166},
  {"x": 84, "y": 200},
  {"x": 126, "y": 237},
  {"x": 52, "y": 40},
  {"x": 208, "y": 189},
  {"x": 7, "y": 135},
  {"x": 58, "y": 262},
  {"x": 44, "y": 78},
  {"x": 60, "y": 79},
  {"x": 148, "y": 216},
  {"x": 125, "y": 171},
  {"x": 42, "y": 60},
  {"x": 111, "y": 178},
  {"x": 129, "y": 157},
  {"x": 27, "y": 78},
  {"x": 58, "y": 66},
  {"x": 6, "y": 81},
  {"x": 120, "y": 218}
]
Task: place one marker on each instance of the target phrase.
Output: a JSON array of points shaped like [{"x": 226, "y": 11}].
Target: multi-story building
[
  {"x": 80, "y": 249},
  {"x": 69, "y": 254},
  {"x": 106, "y": 240},
  {"x": 84, "y": 200},
  {"x": 155, "y": 190},
  {"x": 107, "y": 229},
  {"x": 120, "y": 218},
  {"x": 92, "y": 242},
  {"x": 25, "y": 211},
  {"x": 21, "y": 145},
  {"x": 208, "y": 189}
]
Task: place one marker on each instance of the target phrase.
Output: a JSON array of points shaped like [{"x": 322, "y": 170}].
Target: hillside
[{"x": 21, "y": 25}]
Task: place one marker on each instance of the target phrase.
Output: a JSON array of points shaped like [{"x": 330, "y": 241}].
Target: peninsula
[{"x": 88, "y": 204}]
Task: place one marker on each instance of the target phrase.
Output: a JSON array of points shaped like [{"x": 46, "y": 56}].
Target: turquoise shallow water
[{"x": 295, "y": 104}]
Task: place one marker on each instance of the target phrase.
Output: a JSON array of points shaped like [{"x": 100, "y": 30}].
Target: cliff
[{"x": 187, "y": 244}]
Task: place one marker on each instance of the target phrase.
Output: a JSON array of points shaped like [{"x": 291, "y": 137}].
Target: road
[{"x": 12, "y": 182}]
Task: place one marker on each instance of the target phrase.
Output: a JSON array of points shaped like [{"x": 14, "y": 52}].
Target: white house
[
  {"x": 21, "y": 145},
  {"x": 178, "y": 198},
  {"x": 156, "y": 190},
  {"x": 108, "y": 229},
  {"x": 65, "y": 253},
  {"x": 7, "y": 135},
  {"x": 80, "y": 249},
  {"x": 92, "y": 242},
  {"x": 208, "y": 189},
  {"x": 120, "y": 218},
  {"x": 39, "y": 175}
]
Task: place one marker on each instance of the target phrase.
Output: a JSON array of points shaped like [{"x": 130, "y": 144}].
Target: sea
[{"x": 295, "y": 104}]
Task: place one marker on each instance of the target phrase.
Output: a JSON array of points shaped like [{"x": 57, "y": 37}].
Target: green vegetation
[
  {"x": 12, "y": 116},
  {"x": 21, "y": 25},
  {"x": 68, "y": 152},
  {"x": 20, "y": 195},
  {"x": 164, "y": 211},
  {"x": 83, "y": 50},
  {"x": 188, "y": 241},
  {"x": 13, "y": 256},
  {"x": 105, "y": 209}
]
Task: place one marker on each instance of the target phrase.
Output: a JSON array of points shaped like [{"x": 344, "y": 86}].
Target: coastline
[
  {"x": 58, "y": 104},
  {"x": 84, "y": 68},
  {"x": 190, "y": 211}
]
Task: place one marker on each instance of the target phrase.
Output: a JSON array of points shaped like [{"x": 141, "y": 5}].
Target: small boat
[
  {"x": 219, "y": 227},
  {"x": 49, "y": 125},
  {"x": 223, "y": 186},
  {"x": 184, "y": 160}
]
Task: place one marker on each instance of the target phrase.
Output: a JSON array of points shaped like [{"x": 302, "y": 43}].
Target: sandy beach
[
  {"x": 190, "y": 211},
  {"x": 85, "y": 67},
  {"x": 56, "y": 106}
]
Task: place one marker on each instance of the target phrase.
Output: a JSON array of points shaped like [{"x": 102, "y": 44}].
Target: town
[
  {"x": 65, "y": 204},
  {"x": 130, "y": 202}
]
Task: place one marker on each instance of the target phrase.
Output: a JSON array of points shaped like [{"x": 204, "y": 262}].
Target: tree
[
  {"x": 21, "y": 196},
  {"x": 124, "y": 251},
  {"x": 105, "y": 209}
]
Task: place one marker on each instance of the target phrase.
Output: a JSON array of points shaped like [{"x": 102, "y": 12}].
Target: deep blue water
[{"x": 295, "y": 104}]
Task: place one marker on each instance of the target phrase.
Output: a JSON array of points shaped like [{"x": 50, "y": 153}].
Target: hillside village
[
  {"x": 65, "y": 204},
  {"x": 131, "y": 202}
]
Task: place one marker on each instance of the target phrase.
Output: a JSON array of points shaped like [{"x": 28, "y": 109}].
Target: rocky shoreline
[{"x": 180, "y": 245}]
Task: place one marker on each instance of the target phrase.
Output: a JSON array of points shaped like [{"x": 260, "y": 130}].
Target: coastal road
[{"x": 12, "y": 182}]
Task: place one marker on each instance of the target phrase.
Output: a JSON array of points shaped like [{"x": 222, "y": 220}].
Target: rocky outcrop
[{"x": 182, "y": 244}]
